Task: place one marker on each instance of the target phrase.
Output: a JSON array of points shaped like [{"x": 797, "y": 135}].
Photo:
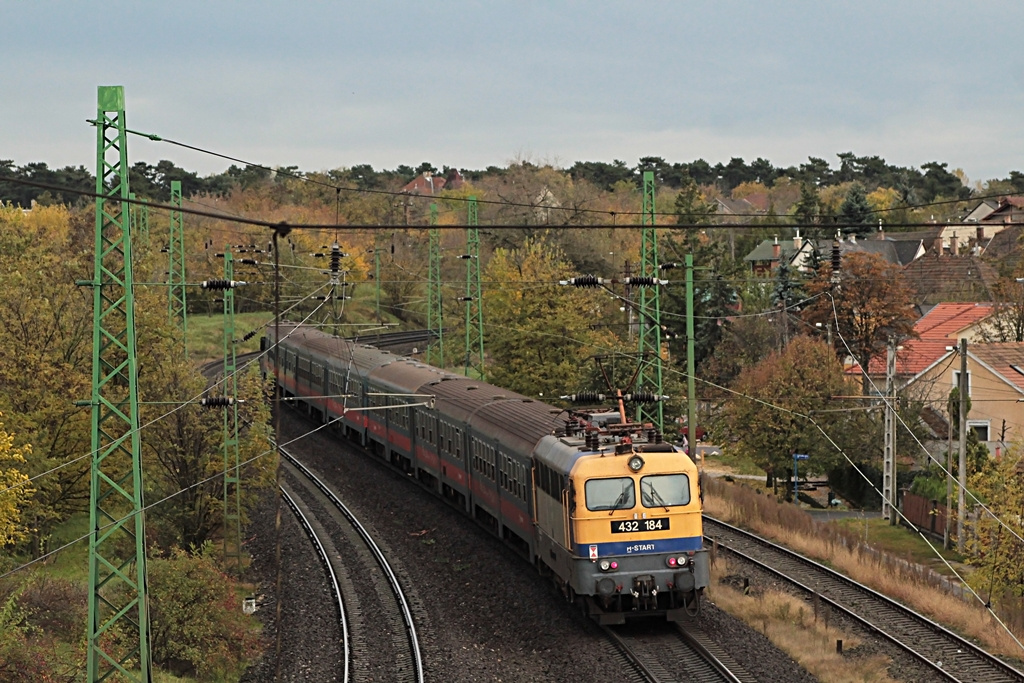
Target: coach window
[
  {"x": 663, "y": 490},
  {"x": 610, "y": 494}
]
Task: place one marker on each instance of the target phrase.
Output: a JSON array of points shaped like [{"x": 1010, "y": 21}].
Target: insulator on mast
[
  {"x": 585, "y": 397},
  {"x": 583, "y": 281},
  {"x": 219, "y": 401},
  {"x": 222, "y": 284},
  {"x": 644, "y": 281}
]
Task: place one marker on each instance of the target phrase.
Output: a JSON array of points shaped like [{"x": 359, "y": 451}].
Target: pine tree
[{"x": 856, "y": 211}]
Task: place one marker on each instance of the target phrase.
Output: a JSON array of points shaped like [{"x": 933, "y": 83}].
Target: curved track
[
  {"x": 407, "y": 664},
  {"x": 330, "y": 560},
  {"x": 949, "y": 656}
]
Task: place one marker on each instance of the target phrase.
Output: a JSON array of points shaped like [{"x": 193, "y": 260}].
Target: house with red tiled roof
[
  {"x": 944, "y": 325},
  {"x": 428, "y": 184},
  {"x": 995, "y": 384}
]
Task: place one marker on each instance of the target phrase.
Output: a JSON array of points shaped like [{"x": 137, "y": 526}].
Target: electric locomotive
[{"x": 602, "y": 505}]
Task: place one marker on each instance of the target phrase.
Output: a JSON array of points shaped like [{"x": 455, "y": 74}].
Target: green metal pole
[
  {"x": 176, "y": 297},
  {"x": 474, "y": 293},
  {"x": 650, "y": 376},
  {"x": 376, "y": 274},
  {"x": 691, "y": 396},
  {"x": 232, "y": 465},
  {"x": 118, "y": 601},
  {"x": 435, "y": 308}
]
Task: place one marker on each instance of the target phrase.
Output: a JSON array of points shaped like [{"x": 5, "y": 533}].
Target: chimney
[
  {"x": 776, "y": 249},
  {"x": 798, "y": 241},
  {"x": 953, "y": 245},
  {"x": 980, "y": 235}
]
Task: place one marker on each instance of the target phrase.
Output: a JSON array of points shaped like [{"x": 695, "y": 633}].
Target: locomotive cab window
[
  {"x": 664, "y": 490},
  {"x": 610, "y": 494}
]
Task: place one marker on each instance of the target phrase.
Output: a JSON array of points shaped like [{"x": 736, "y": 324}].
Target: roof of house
[
  {"x": 936, "y": 330},
  {"x": 766, "y": 250},
  {"x": 1004, "y": 249},
  {"x": 945, "y": 320},
  {"x": 1006, "y": 358},
  {"x": 735, "y": 206},
  {"x": 430, "y": 184},
  {"x": 938, "y": 278}
]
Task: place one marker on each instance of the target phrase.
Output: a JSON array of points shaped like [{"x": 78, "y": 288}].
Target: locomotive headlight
[
  {"x": 683, "y": 560},
  {"x": 636, "y": 463},
  {"x": 605, "y": 565}
]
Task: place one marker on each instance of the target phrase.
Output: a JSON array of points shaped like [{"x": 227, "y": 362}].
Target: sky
[{"x": 323, "y": 85}]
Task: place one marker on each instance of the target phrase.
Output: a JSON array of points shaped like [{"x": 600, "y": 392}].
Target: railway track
[
  {"x": 660, "y": 653},
  {"x": 335, "y": 575},
  {"x": 949, "y": 656},
  {"x": 364, "y": 578}
]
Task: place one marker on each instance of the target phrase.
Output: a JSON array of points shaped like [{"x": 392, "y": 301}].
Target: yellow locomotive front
[{"x": 636, "y": 530}]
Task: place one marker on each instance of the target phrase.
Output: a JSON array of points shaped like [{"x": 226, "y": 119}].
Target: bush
[
  {"x": 197, "y": 624},
  {"x": 21, "y": 657},
  {"x": 57, "y": 607}
]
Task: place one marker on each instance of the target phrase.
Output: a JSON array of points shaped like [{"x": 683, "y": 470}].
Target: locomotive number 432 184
[{"x": 629, "y": 526}]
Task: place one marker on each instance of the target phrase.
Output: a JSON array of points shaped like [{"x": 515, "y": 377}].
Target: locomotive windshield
[
  {"x": 610, "y": 494},
  {"x": 664, "y": 490}
]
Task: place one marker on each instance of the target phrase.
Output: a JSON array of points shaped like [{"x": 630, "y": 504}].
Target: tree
[
  {"x": 182, "y": 449},
  {"x": 1007, "y": 322},
  {"x": 197, "y": 628},
  {"x": 855, "y": 210},
  {"x": 14, "y": 489},
  {"x": 872, "y": 304},
  {"x": 714, "y": 294},
  {"x": 808, "y": 209},
  {"x": 691, "y": 207},
  {"x": 768, "y": 418},
  {"x": 994, "y": 551},
  {"x": 787, "y": 293},
  {"x": 46, "y": 329},
  {"x": 538, "y": 333}
]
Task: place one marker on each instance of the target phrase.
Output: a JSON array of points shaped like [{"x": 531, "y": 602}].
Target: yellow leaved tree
[{"x": 14, "y": 489}]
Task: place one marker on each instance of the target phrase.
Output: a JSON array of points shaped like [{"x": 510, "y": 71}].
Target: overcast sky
[{"x": 323, "y": 85}]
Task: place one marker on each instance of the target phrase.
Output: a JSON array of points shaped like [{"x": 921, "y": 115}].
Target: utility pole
[
  {"x": 965, "y": 388},
  {"x": 473, "y": 298},
  {"x": 949, "y": 478},
  {"x": 691, "y": 397},
  {"x": 889, "y": 449},
  {"x": 435, "y": 302},
  {"x": 118, "y": 599},
  {"x": 232, "y": 463},
  {"x": 176, "y": 308},
  {"x": 649, "y": 377}
]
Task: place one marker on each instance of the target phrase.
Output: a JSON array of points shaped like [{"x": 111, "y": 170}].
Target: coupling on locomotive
[{"x": 602, "y": 505}]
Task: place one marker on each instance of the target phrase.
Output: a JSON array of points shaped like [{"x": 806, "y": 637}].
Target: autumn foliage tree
[
  {"x": 538, "y": 333},
  {"x": 778, "y": 408},
  {"x": 874, "y": 304},
  {"x": 14, "y": 489},
  {"x": 46, "y": 330},
  {"x": 993, "y": 540}
]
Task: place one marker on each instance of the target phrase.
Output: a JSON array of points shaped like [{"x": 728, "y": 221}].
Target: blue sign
[{"x": 800, "y": 456}]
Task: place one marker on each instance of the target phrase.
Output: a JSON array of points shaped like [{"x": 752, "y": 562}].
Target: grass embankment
[{"x": 891, "y": 562}]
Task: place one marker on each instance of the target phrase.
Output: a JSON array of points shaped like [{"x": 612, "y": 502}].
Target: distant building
[
  {"x": 429, "y": 184},
  {"x": 766, "y": 257}
]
